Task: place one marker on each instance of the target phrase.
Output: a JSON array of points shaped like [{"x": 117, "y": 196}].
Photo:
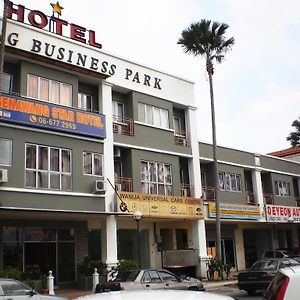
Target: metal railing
[
  {"x": 268, "y": 198},
  {"x": 208, "y": 193},
  {"x": 123, "y": 126},
  {"x": 250, "y": 198},
  {"x": 123, "y": 184},
  {"x": 187, "y": 190},
  {"x": 182, "y": 138}
]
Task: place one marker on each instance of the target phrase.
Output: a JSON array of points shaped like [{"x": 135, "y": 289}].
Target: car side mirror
[{"x": 32, "y": 292}]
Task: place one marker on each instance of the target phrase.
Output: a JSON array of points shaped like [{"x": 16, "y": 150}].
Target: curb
[{"x": 215, "y": 285}]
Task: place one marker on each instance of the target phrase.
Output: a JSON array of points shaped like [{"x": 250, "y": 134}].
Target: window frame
[
  {"x": 230, "y": 182},
  {"x": 280, "y": 186},
  {"x": 116, "y": 117},
  {"x": 80, "y": 94},
  {"x": 150, "y": 186},
  {"x": 50, "y": 90},
  {"x": 48, "y": 171},
  {"x": 93, "y": 164},
  {"x": 11, "y": 77},
  {"x": 10, "y": 152},
  {"x": 152, "y": 109}
]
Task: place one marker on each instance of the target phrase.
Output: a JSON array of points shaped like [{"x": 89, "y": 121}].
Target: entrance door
[{"x": 42, "y": 254}]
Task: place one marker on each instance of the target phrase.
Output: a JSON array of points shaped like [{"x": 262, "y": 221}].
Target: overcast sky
[{"x": 257, "y": 87}]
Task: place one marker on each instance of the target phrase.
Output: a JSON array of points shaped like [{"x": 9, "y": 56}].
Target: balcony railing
[
  {"x": 250, "y": 198},
  {"x": 208, "y": 193},
  {"x": 187, "y": 190},
  {"x": 297, "y": 199},
  {"x": 268, "y": 199},
  {"x": 123, "y": 126},
  {"x": 123, "y": 184},
  {"x": 182, "y": 138}
]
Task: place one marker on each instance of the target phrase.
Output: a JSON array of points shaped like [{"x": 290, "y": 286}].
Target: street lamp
[{"x": 137, "y": 216}]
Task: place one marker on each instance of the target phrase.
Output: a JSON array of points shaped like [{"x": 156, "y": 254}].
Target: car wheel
[
  {"x": 251, "y": 292},
  {"x": 193, "y": 288}
]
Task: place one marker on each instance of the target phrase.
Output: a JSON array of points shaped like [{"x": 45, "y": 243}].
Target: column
[
  {"x": 239, "y": 249},
  {"x": 110, "y": 235},
  {"x": 257, "y": 189},
  {"x": 199, "y": 234}
]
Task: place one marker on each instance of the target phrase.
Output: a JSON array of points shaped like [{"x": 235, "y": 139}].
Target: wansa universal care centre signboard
[{"x": 282, "y": 214}]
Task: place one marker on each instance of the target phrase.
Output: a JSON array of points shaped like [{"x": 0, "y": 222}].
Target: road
[{"x": 234, "y": 292}]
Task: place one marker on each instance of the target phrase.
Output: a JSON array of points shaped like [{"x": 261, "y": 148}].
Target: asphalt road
[{"x": 234, "y": 292}]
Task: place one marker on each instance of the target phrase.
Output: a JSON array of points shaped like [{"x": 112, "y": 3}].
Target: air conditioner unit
[
  {"x": 99, "y": 187},
  {"x": 3, "y": 175},
  {"x": 117, "y": 152}
]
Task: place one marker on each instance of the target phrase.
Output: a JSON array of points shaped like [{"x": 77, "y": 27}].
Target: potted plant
[
  {"x": 32, "y": 276},
  {"x": 227, "y": 270}
]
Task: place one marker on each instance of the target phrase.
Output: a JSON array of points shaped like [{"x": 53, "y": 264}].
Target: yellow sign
[
  {"x": 161, "y": 206},
  {"x": 235, "y": 211}
]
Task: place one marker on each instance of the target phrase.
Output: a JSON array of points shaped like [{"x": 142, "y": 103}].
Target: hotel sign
[
  {"x": 51, "y": 116},
  {"x": 282, "y": 214},
  {"x": 235, "y": 211},
  {"x": 161, "y": 206}
]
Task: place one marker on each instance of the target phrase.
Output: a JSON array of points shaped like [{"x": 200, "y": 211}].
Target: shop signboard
[
  {"x": 161, "y": 206},
  {"x": 235, "y": 211},
  {"x": 282, "y": 214},
  {"x": 42, "y": 114}
]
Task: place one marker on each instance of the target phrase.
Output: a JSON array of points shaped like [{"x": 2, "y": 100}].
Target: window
[
  {"x": 230, "y": 182},
  {"x": 6, "y": 83},
  {"x": 177, "y": 125},
  {"x": 49, "y": 90},
  {"x": 153, "y": 115},
  {"x": 118, "y": 111},
  {"x": 156, "y": 178},
  {"x": 48, "y": 167},
  {"x": 5, "y": 152},
  {"x": 282, "y": 188},
  {"x": 92, "y": 164},
  {"x": 85, "y": 101}
]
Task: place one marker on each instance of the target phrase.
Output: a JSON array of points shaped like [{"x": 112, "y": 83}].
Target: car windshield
[
  {"x": 265, "y": 265},
  {"x": 127, "y": 276}
]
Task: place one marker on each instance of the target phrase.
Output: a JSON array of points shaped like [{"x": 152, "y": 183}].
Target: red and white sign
[{"x": 283, "y": 214}]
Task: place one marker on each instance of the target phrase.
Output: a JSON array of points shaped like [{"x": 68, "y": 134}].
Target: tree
[
  {"x": 294, "y": 136},
  {"x": 207, "y": 39}
]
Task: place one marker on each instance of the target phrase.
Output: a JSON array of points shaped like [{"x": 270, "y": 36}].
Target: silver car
[
  {"x": 16, "y": 290},
  {"x": 150, "y": 279}
]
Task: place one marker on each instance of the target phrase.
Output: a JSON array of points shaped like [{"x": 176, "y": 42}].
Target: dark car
[
  {"x": 261, "y": 273},
  {"x": 278, "y": 253},
  {"x": 150, "y": 279}
]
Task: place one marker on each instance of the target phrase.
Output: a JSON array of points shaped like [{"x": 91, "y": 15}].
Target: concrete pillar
[
  {"x": 258, "y": 191},
  {"x": 239, "y": 249},
  {"x": 294, "y": 235},
  {"x": 110, "y": 235}
]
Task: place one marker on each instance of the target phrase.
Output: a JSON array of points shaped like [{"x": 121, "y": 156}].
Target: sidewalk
[{"x": 208, "y": 285}]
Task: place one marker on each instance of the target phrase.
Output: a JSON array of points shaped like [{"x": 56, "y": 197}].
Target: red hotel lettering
[{"x": 87, "y": 119}]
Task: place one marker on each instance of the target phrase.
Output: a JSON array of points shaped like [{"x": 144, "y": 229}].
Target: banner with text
[
  {"x": 235, "y": 211},
  {"x": 51, "y": 116},
  {"x": 161, "y": 206},
  {"x": 283, "y": 214}
]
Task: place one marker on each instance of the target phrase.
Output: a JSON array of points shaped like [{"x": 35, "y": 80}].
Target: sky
[{"x": 257, "y": 86}]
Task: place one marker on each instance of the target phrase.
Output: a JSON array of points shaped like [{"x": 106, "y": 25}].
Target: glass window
[
  {"x": 156, "y": 178},
  {"x": 48, "y": 167},
  {"x": 282, "y": 188},
  {"x": 5, "y": 152},
  {"x": 153, "y": 115},
  {"x": 49, "y": 90},
  {"x": 230, "y": 182},
  {"x": 177, "y": 125},
  {"x": 118, "y": 111},
  {"x": 92, "y": 164},
  {"x": 6, "y": 83},
  {"x": 85, "y": 101}
]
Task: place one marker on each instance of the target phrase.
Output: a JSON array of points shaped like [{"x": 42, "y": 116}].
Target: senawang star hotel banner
[
  {"x": 161, "y": 206},
  {"x": 282, "y": 214}
]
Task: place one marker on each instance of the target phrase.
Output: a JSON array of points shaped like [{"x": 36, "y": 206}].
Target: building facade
[{"x": 88, "y": 138}]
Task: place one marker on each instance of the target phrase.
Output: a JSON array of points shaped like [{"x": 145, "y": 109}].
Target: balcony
[
  {"x": 297, "y": 199},
  {"x": 182, "y": 138},
  {"x": 123, "y": 184},
  {"x": 123, "y": 126},
  {"x": 250, "y": 198},
  {"x": 187, "y": 190},
  {"x": 268, "y": 199},
  {"x": 208, "y": 193}
]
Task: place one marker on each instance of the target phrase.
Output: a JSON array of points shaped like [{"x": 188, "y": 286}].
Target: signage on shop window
[
  {"x": 282, "y": 214},
  {"x": 51, "y": 116},
  {"x": 161, "y": 206}
]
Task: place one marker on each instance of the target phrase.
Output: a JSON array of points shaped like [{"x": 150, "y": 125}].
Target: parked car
[
  {"x": 150, "y": 279},
  {"x": 157, "y": 295},
  {"x": 278, "y": 253},
  {"x": 13, "y": 289},
  {"x": 261, "y": 273},
  {"x": 285, "y": 285}
]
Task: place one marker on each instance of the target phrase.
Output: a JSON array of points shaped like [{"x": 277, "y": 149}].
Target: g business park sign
[{"x": 54, "y": 38}]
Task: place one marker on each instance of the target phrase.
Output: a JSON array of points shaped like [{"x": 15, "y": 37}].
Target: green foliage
[
  {"x": 10, "y": 272},
  {"x": 126, "y": 265},
  {"x": 294, "y": 136},
  {"x": 218, "y": 266},
  {"x": 32, "y": 272},
  {"x": 87, "y": 266}
]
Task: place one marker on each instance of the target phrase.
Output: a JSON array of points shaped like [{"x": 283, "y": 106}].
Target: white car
[
  {"x": 285, "y": 285},
  {"x": 155, "y": 294}
]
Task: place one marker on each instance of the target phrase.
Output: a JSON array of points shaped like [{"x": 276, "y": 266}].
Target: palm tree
[{"x": 206, "y": 38}]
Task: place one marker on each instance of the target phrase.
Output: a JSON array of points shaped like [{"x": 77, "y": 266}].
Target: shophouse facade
[{"x": 79, "y": 126}]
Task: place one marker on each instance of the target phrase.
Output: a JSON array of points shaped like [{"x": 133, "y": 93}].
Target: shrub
[{"x": 87, "y": 266}]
